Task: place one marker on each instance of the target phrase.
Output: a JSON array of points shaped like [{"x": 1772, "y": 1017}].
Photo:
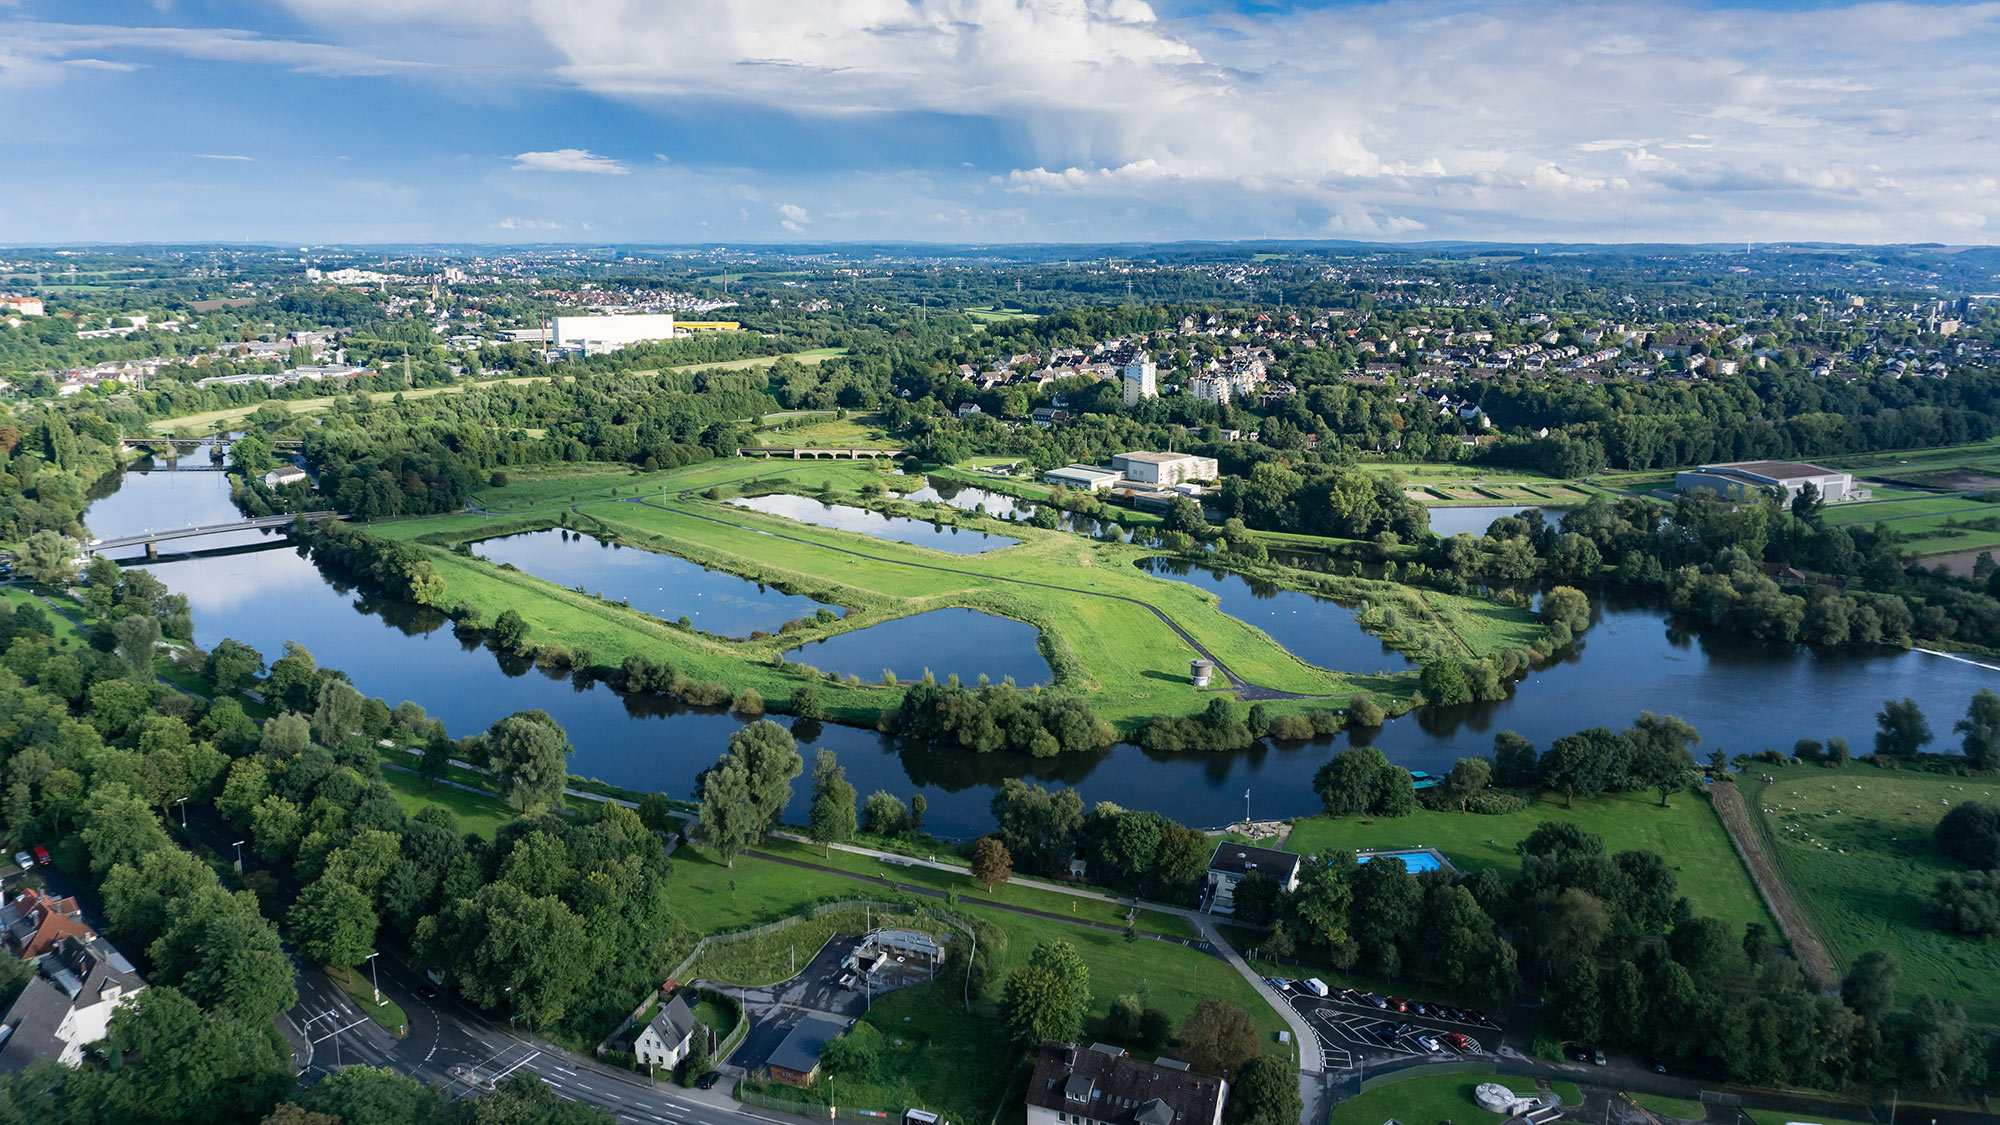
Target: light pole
[
  {"x": 239, "y": 856},
  {"x": 183, "y": 803},
  {"x": 375, "y": 977}
]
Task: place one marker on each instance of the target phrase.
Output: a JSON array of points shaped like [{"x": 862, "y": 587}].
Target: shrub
[
  {"x": 706, "y": 693},
  {"x": 748, "y": 704}
]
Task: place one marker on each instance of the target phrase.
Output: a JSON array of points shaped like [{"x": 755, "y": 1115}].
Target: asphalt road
[{"x": 1351, "y": 1031}]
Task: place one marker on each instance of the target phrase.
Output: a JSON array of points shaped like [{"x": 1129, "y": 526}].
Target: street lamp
[
  {"x": 239, "y": 856},
  {"x": 375, "y": 977},
  {"x": 183, "y": 803},
  {"x": 513, "y": 1009}
]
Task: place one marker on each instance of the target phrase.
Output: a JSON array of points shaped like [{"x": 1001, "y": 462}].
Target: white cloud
[
  {"x": 793, "y": 217},
  {"x": 511, "y": 223},
  {"x": 569, "y": 160},
  {"x": 222, "y": 156}
]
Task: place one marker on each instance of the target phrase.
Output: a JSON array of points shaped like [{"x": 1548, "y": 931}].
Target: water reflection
[
  {"x": 1317, "y": 630},
  {"x": 901, "y": 529},
  {"x": 945, "y": 642},
  {"x": 1450, "y": 520},
  {"x": 661, "y": 585}
]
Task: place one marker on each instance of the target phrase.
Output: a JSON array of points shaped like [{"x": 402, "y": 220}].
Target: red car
[
  {"x": 1457, "y": 1042},
  {"x": 42, "y": 855},
  {"x": 1398, "y": 1004}
]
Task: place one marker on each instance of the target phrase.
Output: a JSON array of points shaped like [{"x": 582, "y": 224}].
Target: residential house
[
  {"x": 35, "y": 920},
  {"x": 669, "y": 1036},
  {"x": 67, "y": 1006},
  {"x": 1233, "y": 863},
  {"x": 1102, "y": 1085}
]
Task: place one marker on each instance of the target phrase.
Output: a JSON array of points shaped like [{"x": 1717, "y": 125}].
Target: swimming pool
[{"x": 1417, "y": 860}]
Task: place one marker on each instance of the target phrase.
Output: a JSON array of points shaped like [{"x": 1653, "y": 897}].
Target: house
[
  {"x": 67, "y": 1006},
  {"x": 1046, "y": 416},
  {"x": 1102, "y": 1085},
  {"x": 284, "y": 475},
  {"x": 1740, "y": 480},
  {"x": 669, "y": 1036},
  {"x": 35, "y": 920},
  {"x": 968, "y": 409},
  {"x": 1233, "y": 863},
  {"x": 796, "y": 1061},
  {"x": 1164, "y": 468}
]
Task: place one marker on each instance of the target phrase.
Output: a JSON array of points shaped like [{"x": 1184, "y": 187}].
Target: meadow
[
  {"x": 1687, "y": 833},
  {"x": 1855, "y": 844}
]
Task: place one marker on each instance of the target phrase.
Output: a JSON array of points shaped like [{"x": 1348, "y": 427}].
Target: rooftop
[
  {"x": 1109, "y": 1086},
  {"x": 1775, "y": 470},
  {"x": 1154, "y": 458},
  {"x": 1241, "y": 859},
  {"x": 800, "y": 1050}
]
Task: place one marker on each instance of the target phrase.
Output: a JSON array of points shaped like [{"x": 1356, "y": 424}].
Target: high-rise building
[{"x": 1140, "y": 375}]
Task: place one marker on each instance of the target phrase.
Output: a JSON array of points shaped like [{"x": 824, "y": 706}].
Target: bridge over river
[
  {"x": 151, "y": 537},
  {"x": 803, "y": 453}
]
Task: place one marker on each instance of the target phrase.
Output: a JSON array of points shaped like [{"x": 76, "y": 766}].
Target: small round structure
[
  {"x": 1495, "y": 1098},
  {"x": 1201, "y": 672}
]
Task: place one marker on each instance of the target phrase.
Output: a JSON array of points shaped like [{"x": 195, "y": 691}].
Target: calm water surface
[
  {"x": 664, "y": 586},
  {"x": 1741, "y": 697},
  {"x": 845, "y": 517},
  {"x": 1317, "y": 630},
  {"x": 945, "y": 642}
]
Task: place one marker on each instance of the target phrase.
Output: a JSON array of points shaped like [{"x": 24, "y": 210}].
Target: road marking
[
  {"x": 516, "y": 1066},
  {"x": 338, "y": 1030}
]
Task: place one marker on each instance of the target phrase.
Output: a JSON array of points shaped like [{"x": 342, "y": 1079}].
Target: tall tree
[
  {"x": 1047, "y": 997},
  {"x": 1266, "y": 1092},
  {"x": 1663, "y": 753},
  {"x": 770, "y": 760},
  {"x": 529, "y": 754},
  {"x": 991, "y": 864},
  {"x": 1981, "y": 728},
  {"x": 1217, "y": 1037},
  {"x": 334, "y": 923},
  {"x": 832, "y": 817},
  {"x": 1901, "y": 729},
  {"x": 726, "y": 820}
]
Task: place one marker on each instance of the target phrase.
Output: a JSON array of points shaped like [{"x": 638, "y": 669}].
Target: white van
[{"x": 1317, "y": 985}]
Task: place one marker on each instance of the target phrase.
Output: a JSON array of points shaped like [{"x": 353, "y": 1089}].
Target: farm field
[
  {"x": 1687, "y": 834},
  {"x": 987, "y": 314},
  {"x": 1855, "y": 844},
  {"x": 830, "y": 431},
  {"x": 1113, "y": 646}
]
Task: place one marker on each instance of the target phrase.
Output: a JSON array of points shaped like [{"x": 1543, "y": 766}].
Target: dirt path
[{"x": 1814, "y": 958}]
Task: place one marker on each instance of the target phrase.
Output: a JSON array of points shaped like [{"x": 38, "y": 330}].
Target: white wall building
[
  {"x": 1164, "y": 469},
  {"x": 599, "y": 334},
  {"x": 1744, "y": 480},
  {"x": 1206, "y": 388},
  {"x": 1141, "y": 380},
  {"x": 669, "y": 1036}
]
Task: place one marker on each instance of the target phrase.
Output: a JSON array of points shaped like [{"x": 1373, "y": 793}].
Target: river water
[{"x": 1741, "y": 697}]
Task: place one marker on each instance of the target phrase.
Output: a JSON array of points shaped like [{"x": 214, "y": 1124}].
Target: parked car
[
  {"x": 1597, "y": 1056},
  {"x": 42, "y": 856},
  {"x": 23, "y": 860},
  {"x": 1373, "y": 1000},
  {"x": 1316, "y": 986},
  {"x": 709, "y": 1080},
  {"x": 1429, "y": 1043},
  {"x": 1576, "y": 1052},
  {"x": 1458, "y": 1042},
  {"x": 1398, "y": 1004},
  {"x": 1656, "y": 1066},
  {"x": 1388, "y": 1036},
  {"x": 1418, "y": 1007}
]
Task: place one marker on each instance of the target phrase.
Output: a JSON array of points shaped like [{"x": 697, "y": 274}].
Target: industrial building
[
  {"x": 1164, "y": 469},
  {"x": 1090, "y": 478},
  {"x": 595, "y": 335},
  {"x": 1233, "y": 863},
  {"x": 1748, "y": 480}
]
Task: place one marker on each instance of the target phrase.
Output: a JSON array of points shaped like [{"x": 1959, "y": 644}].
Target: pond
[
  {"x": 665, "y": 586},
  {"x": 1449, "y": 520},
  {"x": 967, "y": 498},
  {"x": 1317, "y": 630},
  {"x": 1742, "y": 697},
  {"x": 945, "y": 642},
  {"x": 901, "y": 529}
]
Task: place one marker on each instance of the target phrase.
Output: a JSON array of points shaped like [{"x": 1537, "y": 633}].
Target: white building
[
  {"x": 1744, "y": 480},
  {"x": 1102, "y": 1085},
  {"x": 669, "y": 1036},
  {"x": 1206, "y": 388},
  {"x": 1090, "y": 478},
  {"x": 1164, "y": 469},
  {"x": 598, "y": 334},
  {"x": 1233, "y": 863},
  {"x": 26, "y": 306},
  {"x": 1140, "y": 379}
]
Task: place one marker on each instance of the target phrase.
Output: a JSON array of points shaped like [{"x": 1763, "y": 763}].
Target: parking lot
[{"x": 1352, "y": 1028}]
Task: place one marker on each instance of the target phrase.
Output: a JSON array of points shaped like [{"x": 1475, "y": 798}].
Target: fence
[{"x": 816, "y": 1112}]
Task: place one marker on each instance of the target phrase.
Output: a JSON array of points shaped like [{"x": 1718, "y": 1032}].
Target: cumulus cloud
[
  {"x": 511, "y": 223},
  {"x": 793, "y": 217},
  {"x": 222, "y": 156},
  {"x": 569, "y": 160}
]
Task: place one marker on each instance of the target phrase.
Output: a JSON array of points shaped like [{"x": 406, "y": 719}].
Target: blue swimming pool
[{"x": 1417, "y": 860}]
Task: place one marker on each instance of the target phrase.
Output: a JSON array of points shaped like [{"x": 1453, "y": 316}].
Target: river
[{"x": 1740, "y": 696}]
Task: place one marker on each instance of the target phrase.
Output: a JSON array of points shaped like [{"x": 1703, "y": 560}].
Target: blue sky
[{"x": 997, "y": 120}]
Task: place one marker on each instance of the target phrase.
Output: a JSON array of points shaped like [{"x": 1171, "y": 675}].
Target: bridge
[
  {"x": 803, "y": 453},
  {"x": 180, "y": 444},
  {"x": 151, "y": 538}
]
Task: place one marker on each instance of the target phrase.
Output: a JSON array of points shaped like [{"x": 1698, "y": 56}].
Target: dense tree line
[{"x": 996, "y": 717}]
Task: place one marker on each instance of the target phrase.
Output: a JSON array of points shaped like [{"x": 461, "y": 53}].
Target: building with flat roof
[
  {"x": 1746, "y": 480},
  {"x": 796, "y": 1061},
  {"x": 1102, "y": 1085},
  {"x": 1164, "y": 469},
  {"x": 1090, "y": 478},
  {"x": 595, "y": 335},
  {"x": 1233, "y": 863},
  {"x": 1141, "y": 380}
]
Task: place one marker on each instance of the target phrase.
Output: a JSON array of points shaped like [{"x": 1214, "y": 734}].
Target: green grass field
[
  {"x": 1687, "y": 834},
  {"x": 1855, "y": 844},
  {"x": 829, "y": 431},
  {"x": 1131, "y": 663},
  {"x": 475, "y": 812},
  {"x": 1680, "y": 1108},
  {"x": 1427, "y": 1099}
]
